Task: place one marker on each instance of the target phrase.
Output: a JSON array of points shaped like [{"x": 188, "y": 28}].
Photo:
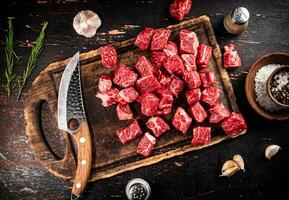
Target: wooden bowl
[
  {"x": 283, "y": 68},
  {"x": 273, "y": 58}
]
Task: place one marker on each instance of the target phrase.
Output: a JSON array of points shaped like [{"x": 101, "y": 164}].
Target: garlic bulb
[
  {"x": 240, "y": 162},
  {"x": 272, "y": 150},
  {"x": 229, "y": 168},
  {"x": 86, "y": 23}
]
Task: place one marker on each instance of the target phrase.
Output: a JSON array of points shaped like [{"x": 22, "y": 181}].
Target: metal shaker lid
[
  {"x": 240, "y": 15},
  {"x": 138, "y": 189}
]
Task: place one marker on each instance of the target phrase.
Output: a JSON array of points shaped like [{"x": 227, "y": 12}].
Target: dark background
[{"x": 194, "y": 175}]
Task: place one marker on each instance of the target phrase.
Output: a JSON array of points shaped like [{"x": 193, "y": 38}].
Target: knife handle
[{"x": 84, "y": 157}]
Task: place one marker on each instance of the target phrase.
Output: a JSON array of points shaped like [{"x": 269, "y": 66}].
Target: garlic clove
[
  {"x": 272, "y": 150},
  {"x": 240, "y": 162},
  {"x": 86, "y": 23},
  {"x": 230, "y": 167}
]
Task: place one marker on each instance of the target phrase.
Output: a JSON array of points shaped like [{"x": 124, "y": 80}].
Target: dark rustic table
[{"x": 191, "y": 176}]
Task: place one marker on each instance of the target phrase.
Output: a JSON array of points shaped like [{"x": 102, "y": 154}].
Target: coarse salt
[{"x": 263, "y": 97}]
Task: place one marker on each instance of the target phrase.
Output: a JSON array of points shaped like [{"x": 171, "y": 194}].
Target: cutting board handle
[{"x": 65, "y": 167}]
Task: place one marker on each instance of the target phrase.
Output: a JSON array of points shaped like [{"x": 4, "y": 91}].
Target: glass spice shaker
[
  {"x": 237, "y": 20},
  {"x": 138, "y": 189}
]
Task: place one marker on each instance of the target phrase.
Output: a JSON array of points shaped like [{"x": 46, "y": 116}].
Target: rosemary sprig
[
  {"x": 9, "y": 56},
  {"x": 35, "y": 52}
]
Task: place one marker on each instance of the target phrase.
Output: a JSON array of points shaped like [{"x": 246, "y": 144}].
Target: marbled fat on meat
[
  {"x": 188, "y": 42},
  {"x": 104, "y": 83},
  {"x": 157, "y": 125},
  {"x": 124, "y": 76},
  {"x": 160, "y": 39},
  {"x": 192, "y": 79},
  {"x": 180, "y": 8},
  {"x": 174, "y": 64},
  {"x": 234, "y": 124},
  {"x": 218, "y": 113},
  {"x": 181, "y": 120},
  {"x": 144, "y": 37},
  {"x": 108, "y": 56},
  {"x": 146, "y": 145},
  {"x": 144, "y": 67},
  {"x": 208, "y": 78},
  {"x": 157, "y": 58},
  {"x": 193, "y": 96},
  {"x": 149, "y": 104},
  {"x": 201, "y": 135},
  {"x": 171, "y": 49},
  {"x": 147, "y": 84},
  {"x": 108, "y": 98},
  {"x": 128, "y": 95},
  {"x": 204, "y": 55},
  {"x": 231, "y": 58},
  {"x": 198, "y": 112},
  {"x": 211, "y": 95},
  {"x": 189, "y": 61},
  {"x": 166, "y": 100},
  {"x": 129, "y": 133},
  {"x": 123, "y": 112},
  {"x": 176, "y": 85}
]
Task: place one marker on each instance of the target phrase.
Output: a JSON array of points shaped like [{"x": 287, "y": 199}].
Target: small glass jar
[{"x": 236, "y": 21}]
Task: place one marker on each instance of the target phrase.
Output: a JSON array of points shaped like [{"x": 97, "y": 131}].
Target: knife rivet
[
  {"x": 82, "y": 140},
  {"x": 83, "y": 162},
  {"x": 78, "y": 185}
]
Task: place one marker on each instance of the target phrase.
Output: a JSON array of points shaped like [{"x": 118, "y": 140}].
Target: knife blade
[{"x": 72, "y": 119}]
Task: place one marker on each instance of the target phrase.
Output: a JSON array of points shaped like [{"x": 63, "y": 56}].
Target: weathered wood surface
[
  {"x": 110, "y": 157},
  {"x": 190, "y": 175}
]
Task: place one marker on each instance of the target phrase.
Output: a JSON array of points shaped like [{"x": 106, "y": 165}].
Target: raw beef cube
[
  {"x": 176, "y": 85},
  {"x": 180, "y": 8},
  {"x": 198, "y": 112},
  {"x": 104, "y": 83},
  {"x": 129, "y": 132},
  {"x": 165, "y": 111},
  {"x": 171, "y": 49},
  {"x": 189, "y": 61},
  {"x": 218, "y": 113},
  {"x": 192, "y": 78},
  {"x": 181, "y": 120},
  {"x": 193, "y": 96},
  {"x": 166, "y": 98},
  {"x": 234, "y": 124},
  {"x": 108, "y": 98},
  {"x": 160, "y": 39},
  {"x": 108, "y": 56},
  {"x": 124, "y": 76},
  {"x": 164, "y": 79},
  {"x": 174, "y": 64},
  {"x": 188, "y": 42},
  {"x": 144, "y": 37},
  {"x": 211, "y": 96},
  {"x": 146, "y": 145},
  {"x": 204, "y": 55},
  {"x": 149, "y": 104},
  {"x": 128, "y": 95},
  {"x": 147, "y": 84},
  {"x": 208, "y": 78},
  {"x": 201, "y": 135},
  {"x": 157, "y": 58},
  {"x": 231, "y": 57},
  {"x": 144, "y": 67},
  {"x": 123, "y": 112},
  {"x": 157, "y": 125}
]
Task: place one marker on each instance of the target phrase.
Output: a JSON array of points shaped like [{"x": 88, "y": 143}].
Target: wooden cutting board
[{"x": 110, "y": 157}]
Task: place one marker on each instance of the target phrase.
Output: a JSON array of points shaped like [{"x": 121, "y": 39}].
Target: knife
[{"x": 72, "y": 118}]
